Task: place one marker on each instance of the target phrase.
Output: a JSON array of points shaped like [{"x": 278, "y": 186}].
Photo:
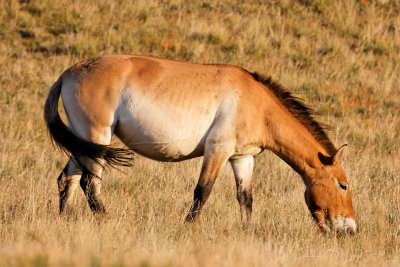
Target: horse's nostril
[
  {"x": 350, "y": 231},
  {"x": 350, "y": 225}
]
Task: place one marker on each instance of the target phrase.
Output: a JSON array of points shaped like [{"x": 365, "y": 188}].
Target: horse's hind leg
[
  {"x": 91, "y": 184},
  {"x": 90, "y": 179},
  {"x": 67, "y": 182},
  {"x": 243, "y": 170},
  {"x": 95, "y": 124}
]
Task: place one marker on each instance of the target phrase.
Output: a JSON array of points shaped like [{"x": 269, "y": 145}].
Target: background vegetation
[{"x": 341, "y": 56}]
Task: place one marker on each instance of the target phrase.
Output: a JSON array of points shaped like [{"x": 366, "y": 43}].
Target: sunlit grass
[{"x": 341, "y": 57}]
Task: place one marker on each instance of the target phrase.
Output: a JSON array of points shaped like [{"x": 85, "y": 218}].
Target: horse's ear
[
  {"x": 326, "y": 160},
  {"x": 339, "y": 154}
]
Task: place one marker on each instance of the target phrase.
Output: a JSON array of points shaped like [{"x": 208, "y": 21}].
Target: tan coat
[{"x": 171, "y": 111}]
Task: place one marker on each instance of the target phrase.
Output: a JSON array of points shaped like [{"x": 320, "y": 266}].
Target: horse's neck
[{"x": 292, "y": 142}]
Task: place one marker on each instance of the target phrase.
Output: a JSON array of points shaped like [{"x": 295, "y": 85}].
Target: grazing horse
[{"x": 168, "y": 110}]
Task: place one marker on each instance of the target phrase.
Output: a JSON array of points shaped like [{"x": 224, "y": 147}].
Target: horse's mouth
[{"x": 339, "y": 225}]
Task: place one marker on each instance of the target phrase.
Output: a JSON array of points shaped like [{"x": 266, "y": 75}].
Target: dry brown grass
[{"x": 342, "y": 56}]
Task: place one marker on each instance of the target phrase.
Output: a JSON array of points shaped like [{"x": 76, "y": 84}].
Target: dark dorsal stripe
[{"x": 304, "y": 114}]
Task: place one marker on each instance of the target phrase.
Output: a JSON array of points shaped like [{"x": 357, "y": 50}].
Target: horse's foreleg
[
  {"x": 212, "y": 165},
  {"x": 91, "y": 184},
  {"x": 243, "y": 169},
  {"x": 67, "y": 183}
]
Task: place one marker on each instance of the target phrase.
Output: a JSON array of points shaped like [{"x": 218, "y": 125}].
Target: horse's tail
[{"x": 69, "y": 142}]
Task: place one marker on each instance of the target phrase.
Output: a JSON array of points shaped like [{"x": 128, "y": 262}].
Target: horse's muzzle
[{"x": 339, "y": 225}]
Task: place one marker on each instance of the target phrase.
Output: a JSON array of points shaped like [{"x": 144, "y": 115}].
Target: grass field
[{"x": 342, "y": 57}]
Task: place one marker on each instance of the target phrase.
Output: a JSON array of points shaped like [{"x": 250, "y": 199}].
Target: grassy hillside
[{"x": 342, "y": 57}]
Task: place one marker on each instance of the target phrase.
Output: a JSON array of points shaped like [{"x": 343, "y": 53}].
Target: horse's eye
[{"x": 343, "y": 186}]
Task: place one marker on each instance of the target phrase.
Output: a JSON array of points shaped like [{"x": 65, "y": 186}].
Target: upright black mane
[{"x": 304, "y": 114}]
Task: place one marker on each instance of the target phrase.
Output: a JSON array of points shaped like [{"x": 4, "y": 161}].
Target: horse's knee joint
[
  {"x": 198, "y": 192},
  {"x": 245, "y": 197}
]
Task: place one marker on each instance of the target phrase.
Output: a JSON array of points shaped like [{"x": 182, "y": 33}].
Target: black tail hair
[{"x": 69, "y": 142}]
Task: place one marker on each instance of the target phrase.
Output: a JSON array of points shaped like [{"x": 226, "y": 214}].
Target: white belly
[{"x": 164, "y": 132}]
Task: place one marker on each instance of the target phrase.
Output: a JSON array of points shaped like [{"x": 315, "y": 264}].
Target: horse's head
[{"x": 328, "y": 197}]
